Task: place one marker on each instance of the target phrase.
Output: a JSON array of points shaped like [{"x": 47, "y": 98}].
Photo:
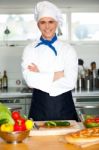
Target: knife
[{"x": 36, "y": 126}]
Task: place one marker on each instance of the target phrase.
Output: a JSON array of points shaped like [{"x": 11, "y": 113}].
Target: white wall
[
  {"x": 10, "y": 60},
  {"x": 89, "y": 53}
]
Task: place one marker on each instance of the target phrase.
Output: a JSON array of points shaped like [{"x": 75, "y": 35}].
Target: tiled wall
[
  {"x": 89, "y": 53},
  {"x": 10, "y": 60}
]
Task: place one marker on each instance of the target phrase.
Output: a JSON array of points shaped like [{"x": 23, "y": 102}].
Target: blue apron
[{"x": 46, "y": 107}]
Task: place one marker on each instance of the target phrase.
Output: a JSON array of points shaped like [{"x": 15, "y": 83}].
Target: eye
[
  {"x": 42, "y": 22},
  {"x": 51, "y": 22}
]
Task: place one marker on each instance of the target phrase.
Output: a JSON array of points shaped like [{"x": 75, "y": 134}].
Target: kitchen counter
[
  {"x": 14, "y": 92},
  {"x": 44, "y": 143},
  {"x": 17, "y": 92},
  {"x": 85, "y": 93}
]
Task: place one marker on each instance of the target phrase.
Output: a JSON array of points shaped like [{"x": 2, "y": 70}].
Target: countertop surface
[
  {"x": 14, "y": 92},
  {"x": 20, "y": 92},
  {"x": 47, "y": 142},
  {"x": 85, "y": 93},
  {"x": 44, "y": 143}
]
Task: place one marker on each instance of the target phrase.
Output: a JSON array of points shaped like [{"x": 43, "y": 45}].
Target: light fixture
[
  {"x": 7, "y": 32},
  {"x": 59, "y": 32}
]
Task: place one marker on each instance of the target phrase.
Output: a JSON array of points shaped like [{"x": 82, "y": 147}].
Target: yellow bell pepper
[
  {"x": 6, "y": 127},
  {"x": 29, "y": 124}
]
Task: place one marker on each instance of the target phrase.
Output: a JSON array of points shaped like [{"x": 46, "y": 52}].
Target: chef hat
[{"x": 47, "y": 9}]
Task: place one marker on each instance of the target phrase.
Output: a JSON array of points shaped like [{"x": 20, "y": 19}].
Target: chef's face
[{"x": 47, "y": 27}]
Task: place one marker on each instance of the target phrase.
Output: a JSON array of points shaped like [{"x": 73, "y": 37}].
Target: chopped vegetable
[
  {"x": 91, "y": 121},
  {"x": 91, "y": 125},
  {"x": 57, "y": 123}
]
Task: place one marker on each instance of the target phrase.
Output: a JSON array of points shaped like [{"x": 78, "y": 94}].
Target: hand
[
  {"x": 58, "y": 75},
  {"x": 33, "y": 67}
]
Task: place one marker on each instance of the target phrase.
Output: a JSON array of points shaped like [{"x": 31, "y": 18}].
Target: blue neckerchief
[{"x": 48, "y": 43}]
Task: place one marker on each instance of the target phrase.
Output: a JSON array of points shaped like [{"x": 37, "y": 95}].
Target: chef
[{"x": 50, "y": 67}]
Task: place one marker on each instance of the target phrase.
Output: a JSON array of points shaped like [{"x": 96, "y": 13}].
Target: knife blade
[{"x": 36, "y": 126}]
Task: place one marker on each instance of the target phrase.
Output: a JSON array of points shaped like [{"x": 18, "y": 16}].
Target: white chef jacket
[{"x": 48, "y": 63}]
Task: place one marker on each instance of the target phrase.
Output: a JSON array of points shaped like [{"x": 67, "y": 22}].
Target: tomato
[
  {"x": 97, "y": 119},
  {"x": 20, "y": 127},
  {"x": 15, "y": 115},
  {"x": 89, "y": 120}
]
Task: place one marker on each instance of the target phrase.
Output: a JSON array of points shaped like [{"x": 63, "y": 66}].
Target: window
[
  {"x": 85, "y": 26},
  {"x": 23, "y": 27},
  {"x": 77, "y": 26},
  {"x": 18, "y": 27}
]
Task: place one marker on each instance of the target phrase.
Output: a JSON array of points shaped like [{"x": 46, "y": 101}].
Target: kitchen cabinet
[
  {"x": 81, "y": 98},
  {"x": 89, "y": 106},
  {"x": 15, "y": 98},
  {"x": 14, "y": 103},
  {"x": 27, "y": 105},
  {"x": 87, "y": 102},
  {"x": 17, "y": 103}
]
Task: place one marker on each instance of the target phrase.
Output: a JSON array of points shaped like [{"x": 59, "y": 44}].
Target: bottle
[
  {"x": 87, "y": 81},
  {"x": 0, "y": 81},
  {"x": 94, "y": 78},
  {"x": 5, "y": 80},
  {"x": 97, "y": 80}
]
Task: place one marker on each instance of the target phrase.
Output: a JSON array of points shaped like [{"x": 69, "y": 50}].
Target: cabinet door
[
  {"x": 88, "y": 106},
  {"x": 28, "y": 104}
]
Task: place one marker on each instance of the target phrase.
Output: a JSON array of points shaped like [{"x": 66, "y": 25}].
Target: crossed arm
[{"x": 57, "y": 75}]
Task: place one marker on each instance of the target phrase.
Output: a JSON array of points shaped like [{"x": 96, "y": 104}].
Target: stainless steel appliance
[
  {"x": 15, "y": 104},
  {"x": 88, "y": 106}
]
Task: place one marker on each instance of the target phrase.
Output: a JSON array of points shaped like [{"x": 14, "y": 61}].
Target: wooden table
[{"x": 44, "y": 143}]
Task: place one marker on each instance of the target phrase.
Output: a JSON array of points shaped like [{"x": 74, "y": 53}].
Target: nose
[{"x": 47, "y": 25}]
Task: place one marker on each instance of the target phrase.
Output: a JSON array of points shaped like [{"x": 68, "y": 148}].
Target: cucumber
[
  {"x": 57, "y": 123},
  {"x": 62, "y": 123},
  {"x": 50, "y": 123}
]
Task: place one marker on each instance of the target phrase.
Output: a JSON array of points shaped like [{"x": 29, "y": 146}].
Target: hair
[
  {"x": 93, "y": 63},
  {"x": 80, "y": 61}
]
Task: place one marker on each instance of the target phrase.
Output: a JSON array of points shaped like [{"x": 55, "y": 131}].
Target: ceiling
[{"x": 61, "y": 3}]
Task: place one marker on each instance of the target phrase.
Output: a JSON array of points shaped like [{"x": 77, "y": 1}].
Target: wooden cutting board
[{"x": 43, "y": 131}]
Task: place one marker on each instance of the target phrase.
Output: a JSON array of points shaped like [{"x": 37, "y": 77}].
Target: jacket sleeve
[
  {"x": 38, "y": 80},
  {"x": 69, "y": 80}
]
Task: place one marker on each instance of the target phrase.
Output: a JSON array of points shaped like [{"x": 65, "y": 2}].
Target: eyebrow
[{"x": 47, "y": 21}]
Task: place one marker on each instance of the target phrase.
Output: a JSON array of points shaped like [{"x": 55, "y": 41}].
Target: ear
[{"x": 38, "y": 25}]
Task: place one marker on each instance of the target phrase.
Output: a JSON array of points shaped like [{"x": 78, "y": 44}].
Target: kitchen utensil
[{"x": 36, "y": 126}]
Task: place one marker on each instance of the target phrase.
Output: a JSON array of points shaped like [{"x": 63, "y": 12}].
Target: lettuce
[
  {"x": 4, "y": 108},
  {"x": 5, "y": 113}
]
